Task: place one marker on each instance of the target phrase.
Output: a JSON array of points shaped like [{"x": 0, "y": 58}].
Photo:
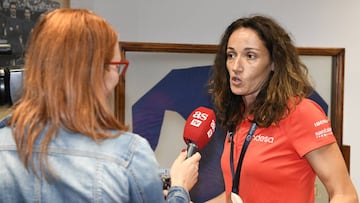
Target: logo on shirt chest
[{"x": 263, "y": 138}]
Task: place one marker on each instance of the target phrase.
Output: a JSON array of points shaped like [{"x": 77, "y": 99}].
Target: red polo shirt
[{"x": 274, "y": 168}]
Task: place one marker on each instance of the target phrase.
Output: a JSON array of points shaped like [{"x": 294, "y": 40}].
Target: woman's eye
[
  {"x": 251, "y": 56},
  {"x": 230, "y": 55}
]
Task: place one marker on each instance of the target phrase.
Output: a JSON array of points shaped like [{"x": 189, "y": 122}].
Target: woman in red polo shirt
[{"x": 278, "y": 141}]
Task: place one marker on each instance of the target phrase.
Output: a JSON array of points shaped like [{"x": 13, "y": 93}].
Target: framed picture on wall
[
  {"x": 326, "y": 69},
  {"x": 17, "y": 18},
  {"x": 171, "y": 74}
]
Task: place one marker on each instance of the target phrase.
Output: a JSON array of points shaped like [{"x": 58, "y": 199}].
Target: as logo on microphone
[
  {"x": 211, "y": 131},
  {"x": 200, "y": 115},
  {"x": 198, "y": 118},
  {"x": 195, "y": 122}
]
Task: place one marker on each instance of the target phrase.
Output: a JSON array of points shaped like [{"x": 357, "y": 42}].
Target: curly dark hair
[{"x": 288, "y": 80}]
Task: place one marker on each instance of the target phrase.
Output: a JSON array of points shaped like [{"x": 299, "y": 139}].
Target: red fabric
[{"x": 274, "y": 168}]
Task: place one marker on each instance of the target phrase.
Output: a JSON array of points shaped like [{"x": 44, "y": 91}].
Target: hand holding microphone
[
  {"x": 185, "y": 172},
  {"x": 199, "y": 129}
]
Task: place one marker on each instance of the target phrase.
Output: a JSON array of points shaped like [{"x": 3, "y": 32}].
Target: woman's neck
[{"x": 248, "y": 102}]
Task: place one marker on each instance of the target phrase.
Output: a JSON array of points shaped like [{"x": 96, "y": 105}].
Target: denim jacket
[{"x": 123, "y": 169}]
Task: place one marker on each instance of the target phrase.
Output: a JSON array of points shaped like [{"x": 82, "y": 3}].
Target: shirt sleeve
[
  {"x": 146, "y": 185},
  {"x": 308, "y": 128},
  {"x": 177, "y": 195}
]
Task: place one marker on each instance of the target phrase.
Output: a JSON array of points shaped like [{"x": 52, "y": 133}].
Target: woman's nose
[{"x": 237, "y": 65}]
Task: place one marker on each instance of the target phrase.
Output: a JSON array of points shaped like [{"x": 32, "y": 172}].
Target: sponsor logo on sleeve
[
  {"x": 324, "y": 131},
  {"x": 321, "y": 122}
]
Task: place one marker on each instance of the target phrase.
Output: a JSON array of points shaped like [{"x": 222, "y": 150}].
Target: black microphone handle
[{"x": 191, "y": 149}]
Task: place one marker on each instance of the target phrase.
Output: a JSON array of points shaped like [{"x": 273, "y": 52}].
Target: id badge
[{"x": 235, "y": 198}]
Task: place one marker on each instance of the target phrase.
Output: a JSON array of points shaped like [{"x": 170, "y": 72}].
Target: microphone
[{"x": 199, "y": 129}]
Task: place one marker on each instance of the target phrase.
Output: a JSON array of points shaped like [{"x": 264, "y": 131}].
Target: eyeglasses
[{"x": 122, "y": 66}]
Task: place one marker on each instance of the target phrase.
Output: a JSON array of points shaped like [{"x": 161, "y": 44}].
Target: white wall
[{"x": 321, "y": 23}]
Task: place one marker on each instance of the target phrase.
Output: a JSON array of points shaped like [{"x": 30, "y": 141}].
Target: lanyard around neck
[{"x": 236, "y": 176}]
